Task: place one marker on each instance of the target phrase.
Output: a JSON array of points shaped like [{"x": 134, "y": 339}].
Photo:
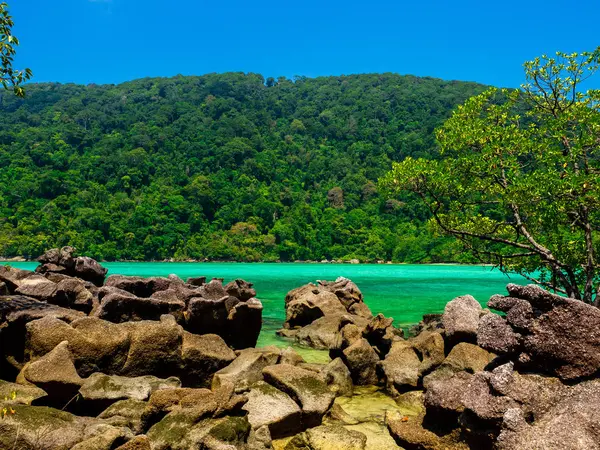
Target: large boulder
[
  {"x": 461, "y": 318},
  {"x": 401, "y": 368},
  {"x": 308, "y": 303},
  {"x": 361, "y": 359},
  {"x": 338, "y": 378},
  {"x": 55, "y": 373},
  {"x": 38, "y": 287},
  {"x": 268, "y": 406},
  {"x": 325, "y": 332},
  {"x": 120, "y": 307},
  {"x": 202, "y": 356},
  {"x": 561, "y": 338},
  {"x": 307, "y": 388},
  {"x": 328, "y": 437},
  {"x": 247, "y": 368}
]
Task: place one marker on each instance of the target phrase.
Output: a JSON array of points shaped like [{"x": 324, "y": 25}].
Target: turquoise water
[{"x": 404, "y": 292}]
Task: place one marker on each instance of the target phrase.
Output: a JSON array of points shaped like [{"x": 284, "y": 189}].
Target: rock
[
  {"x": 308, "y": 303},
  {"x": 305, "y": 387},
  {"x": 13, "y": 393},
  {"x": 381, "y": 334},
  {"x": 571, "y": 423},
  {"x": 73, "y": 293},
  {"x": 138, "y": 286},
  {"x": 88, "y": 269},
  {"x": 34, "y": 427},
  {"x": 154, "y": 347},
  {"x": 189, "y": 403},
  {"x": 106, "y": 438},
  {"x": 38, "y": 287},
  {"x": 337, "y": 414},
  {"x": 328, "y": 437},
  {"x": 484, "y": 407},
  {"x": 461, "y": 318},
  {"x": 137, "y": 443},
  {"x": 445, "y": 396},
  {"x": 188, "y": 429},
  {"x": 401, "y": 368},
  {"x": 338, "y": 378},
  {"x": 117, "y": 308},
  {"x": 203, "y": 355},
  {"x": 100, "y": 391},
  {"x": 268, "y": 406},
  {"x": 290, "y": 356},
  {"x": 55, "y": 373},
  {"x": 346, "y": 291},
  {"x": 244, "y": 321},
  {"x": 409, "y": 433},
  {"x": 429, "y": 346},
  {"x": 495, "y": 335},
  {"x": 464, "y": 357},
  {"x": 361, "y": 360},
  {"x": 360, "y": 309},
  {"x": 62, "y": 261},
  {"x": 240, "y": 289},
  {"x": 350, "y": 334},
  {"x": 247, "y": 368},
  {"x": 96, "y": 345},
  {"x": 125, "y": 413},
  {"x": 196, "y": 281},
  {"x": 4, "y": 288},
  {"x": 11, "y": 277}
]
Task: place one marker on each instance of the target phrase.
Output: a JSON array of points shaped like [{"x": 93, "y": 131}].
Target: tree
[
  {"x": 518, "y": 178},
  {"x": 9, "y": 77}
]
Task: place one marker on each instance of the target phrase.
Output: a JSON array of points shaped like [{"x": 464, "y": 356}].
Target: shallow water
[{"x": 404, "y": 292}]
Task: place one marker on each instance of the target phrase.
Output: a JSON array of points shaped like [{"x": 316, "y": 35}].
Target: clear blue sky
[{"x": 110, "y": 41}]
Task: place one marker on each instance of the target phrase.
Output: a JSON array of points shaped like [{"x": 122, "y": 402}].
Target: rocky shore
[{"x": 89, "y": 362}]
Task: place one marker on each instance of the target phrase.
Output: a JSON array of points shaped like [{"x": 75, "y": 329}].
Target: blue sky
[{"x": 110, "y": 41}]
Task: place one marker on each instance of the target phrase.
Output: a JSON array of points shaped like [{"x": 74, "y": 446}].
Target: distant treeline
[{"x": 222, "y": 166}]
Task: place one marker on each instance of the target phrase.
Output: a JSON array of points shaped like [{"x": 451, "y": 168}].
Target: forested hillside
[{"x": 228, "y": 167}]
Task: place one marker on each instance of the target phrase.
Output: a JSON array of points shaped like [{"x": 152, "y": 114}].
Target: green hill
[{"x": 222, "y": 166}]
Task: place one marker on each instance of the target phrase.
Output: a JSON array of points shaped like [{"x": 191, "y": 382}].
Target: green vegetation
[
  {"x": 519, "y": 180},
  {"x": 10, "y": 78},
  {"x": 224, "y": 167}
]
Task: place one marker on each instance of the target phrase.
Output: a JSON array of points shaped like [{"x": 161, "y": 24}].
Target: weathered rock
[
  {"x": 268, "y": 406},
  {"x": 55, "y": 373},
  {"x": 445, "y": 395},
  {"x": 495, "y": 335},
  {"x": 429, "y": 346},
  {"x": 140, "y": 442},
  {"x": 240, "y": 289},
  {"x": 247, "y": 368},
  {"x": 381, "y": 334},
  {"x": 154, "y": 347},
  {"x": 13, "y": 393},
  {"x": 38, "y": 287},
  {"x": 125, "y": 413},
  {"x": 191, "y": 428},
  {"x": 482, "y": 405},
  {"x": 571, "y": 423},
  {"x": 35, "y": 427},
  {"x": 96, "y": 345},
  {"x": 464, "y": 357},
  {"x": 73, "y": 293},
  {"x": 62, "y": 261},
  {"x": 328, "y": 437},
  {"x": 88, "y": 269},
  {"x": 290, "y": 356},
  {"x": 99, "y": 390},
  {"x": 338, "y": 378},
  {"x": 361, "y": 360},
  {"x": 117, "y": 308},
  {"x": 409, "y": 433},
  {"x": 461, "y": 318},
  {"x": 244, "y": 321},
  {"x": 11, "y": 277},
  {"x": 305, "y": 387},
  {"x": 308, "y": 303},
  {"x": 346, "y": 291},
  {"x": 202, "y": 356},
  {"x": 138, "y": 286},
  {"x": 401, "y": 368},
  {"x": 196, "y": 281}
]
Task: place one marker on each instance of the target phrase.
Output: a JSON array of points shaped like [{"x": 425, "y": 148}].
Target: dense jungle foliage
[{"x": 222, "y": 166}]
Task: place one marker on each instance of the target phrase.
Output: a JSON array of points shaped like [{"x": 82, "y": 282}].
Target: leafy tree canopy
[{"x": 518, "y": 180}]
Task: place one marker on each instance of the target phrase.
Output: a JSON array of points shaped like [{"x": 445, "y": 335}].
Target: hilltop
[{"x": 221, "y": 166}]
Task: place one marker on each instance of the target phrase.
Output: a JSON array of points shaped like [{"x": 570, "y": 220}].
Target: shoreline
[{"x": 22, "y": 259}]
